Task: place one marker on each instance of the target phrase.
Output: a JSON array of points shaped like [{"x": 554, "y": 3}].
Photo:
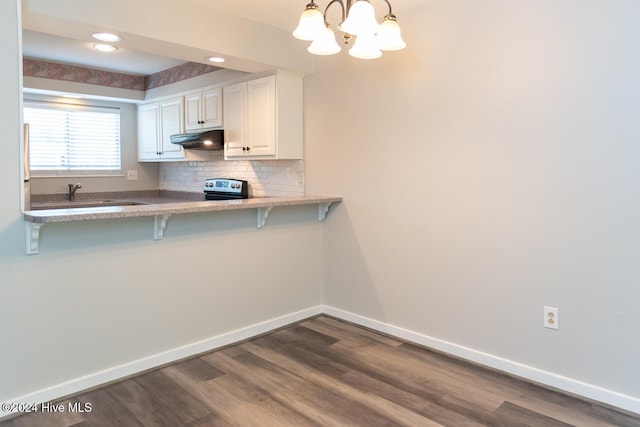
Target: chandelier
[{"x": 358, "y": 19}]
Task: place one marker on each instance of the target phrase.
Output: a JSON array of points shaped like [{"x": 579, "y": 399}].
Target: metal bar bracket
[
  {"x": 159, "y": 225},
  {"x": 263, "y": 214},
  {"x": 33, "y": 237}
]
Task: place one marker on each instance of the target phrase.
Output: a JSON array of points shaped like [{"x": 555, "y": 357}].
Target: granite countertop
[
  {"x": 158, "y": 204},
  {"x": 155, "y": 205}
]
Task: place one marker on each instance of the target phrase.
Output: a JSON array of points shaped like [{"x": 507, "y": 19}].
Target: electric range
[{"x": 225, "y": 189}]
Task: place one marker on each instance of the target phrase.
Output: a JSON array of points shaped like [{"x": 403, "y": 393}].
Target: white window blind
[{"x": 73, "y": 138}]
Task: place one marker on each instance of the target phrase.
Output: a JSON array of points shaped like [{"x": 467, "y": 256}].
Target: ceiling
[
  {"x": 284, "y": 14},
  {"x": 80, "y": 52},
  {"x": 281, "y": 14}
]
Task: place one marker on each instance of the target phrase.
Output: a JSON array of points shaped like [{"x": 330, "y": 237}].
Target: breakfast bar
[{"x": 161, "y": 211}]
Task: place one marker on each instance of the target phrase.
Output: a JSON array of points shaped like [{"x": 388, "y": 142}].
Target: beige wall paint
[{"x": 487, "y": 170}]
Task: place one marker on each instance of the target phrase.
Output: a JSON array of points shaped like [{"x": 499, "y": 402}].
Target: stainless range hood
[{"x": 205, "y": 140}]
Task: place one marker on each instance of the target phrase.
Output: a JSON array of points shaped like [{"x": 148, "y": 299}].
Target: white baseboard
[
  {"x": 117, "y": 372},
  {"x": 95, "y": 379},
  {"x": 590, "y": 391}
]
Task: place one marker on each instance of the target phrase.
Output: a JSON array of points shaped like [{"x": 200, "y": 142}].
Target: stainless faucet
[{"x": 72, "y": 191}]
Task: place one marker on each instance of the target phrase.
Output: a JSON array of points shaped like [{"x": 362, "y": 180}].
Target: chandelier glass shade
[
  {"x": 389, "y": 37},
  {"x": 365, "y": 47},
  {"x": 358, "y": 19},
  {"x": 311, "y": 23},
  {"x": 325, "y": 43}
]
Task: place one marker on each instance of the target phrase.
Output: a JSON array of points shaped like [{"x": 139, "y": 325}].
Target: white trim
[
  {"x": 117, "y": 372},
  {"x": 570, "y": 385}
]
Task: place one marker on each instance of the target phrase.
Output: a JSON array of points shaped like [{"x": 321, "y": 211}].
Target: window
[{"x": 68, "y": 139}]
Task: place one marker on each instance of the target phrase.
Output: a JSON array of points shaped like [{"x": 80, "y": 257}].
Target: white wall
[
  {"x": 102, "y": 294},
  {"x": 487, "y": 170}
]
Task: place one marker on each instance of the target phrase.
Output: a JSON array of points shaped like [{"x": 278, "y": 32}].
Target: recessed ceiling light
[
  {"x": 106, "y": 37},
  {"x": 104, "y": 47},
  {"x": 216, "y": 59}
]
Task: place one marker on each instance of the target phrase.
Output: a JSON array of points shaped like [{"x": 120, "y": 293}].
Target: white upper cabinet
[
  {"x": 235, "y": 129},
  {"x": 203, "y": 109},
  {"x": 263, "y": 118},
  {"x": 148, "y": 132},
  {"x": 171, "y": 122},
  {"x": 157, "y": 121}
]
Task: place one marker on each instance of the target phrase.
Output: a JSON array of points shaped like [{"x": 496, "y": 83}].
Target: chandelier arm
[
  {"x": 311, "y": 5},
  {"x": 390, "y": 12},
  {"x": 344, "y": 15}
]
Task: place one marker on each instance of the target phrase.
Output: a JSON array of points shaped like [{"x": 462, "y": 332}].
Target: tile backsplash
[{"x": 267, "y": 178}]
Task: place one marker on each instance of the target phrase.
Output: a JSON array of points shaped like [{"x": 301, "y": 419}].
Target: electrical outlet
[
  {"x": 551, "y": 317},
  {"x": 132, "y": 175}
]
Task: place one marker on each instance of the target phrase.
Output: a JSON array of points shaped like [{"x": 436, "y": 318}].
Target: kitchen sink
[{"x": 85, "y": 204}]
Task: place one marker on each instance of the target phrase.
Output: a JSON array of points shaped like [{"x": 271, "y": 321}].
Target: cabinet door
[
  {"x": 261, "y": 116},
  {"x": 148, "y": 132},
  {"x": 192, "y": 108},
  {"x": 171, "y": 123},
  {"x": 212, "y": 108},
  {"x": 235, "y": 111}
]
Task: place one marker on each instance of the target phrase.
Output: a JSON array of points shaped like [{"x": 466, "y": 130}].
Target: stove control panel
[{"x": 233, "y": 188}]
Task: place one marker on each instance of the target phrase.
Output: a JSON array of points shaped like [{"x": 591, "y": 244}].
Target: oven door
[{"x": 212, "y": 195}]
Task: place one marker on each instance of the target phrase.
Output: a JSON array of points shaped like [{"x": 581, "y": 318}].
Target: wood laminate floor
[{"x": 325, "y": 372}]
